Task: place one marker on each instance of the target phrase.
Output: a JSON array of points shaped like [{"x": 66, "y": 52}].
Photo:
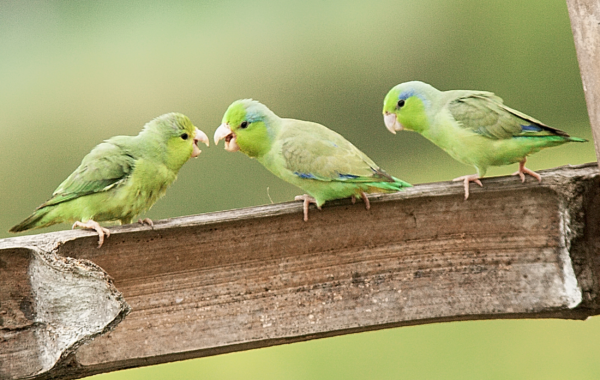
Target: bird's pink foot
[
  {"x": 307, "y": 199},
  {"x": 146, "y": 221},
  {"x": 466, "y": 179},
  {"x": 523, "y": 170},
  {"x": 365, "y": 199},
  {"x": 92, "y": 225}
]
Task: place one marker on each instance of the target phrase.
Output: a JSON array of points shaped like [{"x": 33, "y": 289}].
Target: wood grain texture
[
  {"x": 585, "y": 24},
  {"x": 49, "y": 307},
  {"x": 240, "y": 279}
]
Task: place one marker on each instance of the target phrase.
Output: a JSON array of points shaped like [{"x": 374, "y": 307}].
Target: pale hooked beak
[
  {"x": 199, "y": 136},
  {"x": 224, "y": 132},
  {"x": 391, "y": 122}
]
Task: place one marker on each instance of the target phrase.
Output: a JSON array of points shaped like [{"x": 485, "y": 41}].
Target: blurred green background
[{"x": 73, "y": 73}]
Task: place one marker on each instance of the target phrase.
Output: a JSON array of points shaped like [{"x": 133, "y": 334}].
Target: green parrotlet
[
  {"x": 316, "y": 159},
  {"x": 121, "y": 177},
  {"x": 473, "y": 127}
]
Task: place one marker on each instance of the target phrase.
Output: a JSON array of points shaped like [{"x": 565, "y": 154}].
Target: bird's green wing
[
  {"x": 105, "y": 167},
  {"x": 484, "y": 113},
  {"x": 312, "y": 151}
]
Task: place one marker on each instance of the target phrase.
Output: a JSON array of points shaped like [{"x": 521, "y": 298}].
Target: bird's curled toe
[{"x": 92, "y": 225}]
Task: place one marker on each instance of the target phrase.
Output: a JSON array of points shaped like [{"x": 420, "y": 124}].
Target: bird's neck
[{"x": 417, "y": 123}]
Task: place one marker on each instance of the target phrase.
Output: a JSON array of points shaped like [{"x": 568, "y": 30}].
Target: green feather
[
  {"x": 474, "y": 127},
  {"x": 121, "y": 177},
  {"x": 314, "y": 158}
]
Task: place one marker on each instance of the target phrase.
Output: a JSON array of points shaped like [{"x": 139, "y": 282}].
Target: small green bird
[
  {"x": 473, "y": 127},
  {"x": 121, "y": 177},
  {"x": 305, "y": 154}
]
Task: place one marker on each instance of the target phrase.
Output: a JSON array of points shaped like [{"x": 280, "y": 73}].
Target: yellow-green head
[
  {"x": 174, "y": 138},
  {"x": 248, "y": 126},
  {"x": 407, "y": 105}
]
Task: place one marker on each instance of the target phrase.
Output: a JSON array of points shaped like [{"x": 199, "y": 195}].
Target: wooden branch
[
  {"x": 49, "y": 307},
  {"x": 585, "y": 24},
  {"x": 256, "y": 277}
]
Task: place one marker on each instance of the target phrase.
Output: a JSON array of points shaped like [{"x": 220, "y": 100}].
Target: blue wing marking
[
  {"x": 305, "y": 175},
  {"x": 530, "y": 128}
]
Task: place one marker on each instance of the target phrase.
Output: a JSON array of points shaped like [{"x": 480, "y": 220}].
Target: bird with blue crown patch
[
  {"x": 316, "y": 159},
  {"x": 473, "y": 127}
]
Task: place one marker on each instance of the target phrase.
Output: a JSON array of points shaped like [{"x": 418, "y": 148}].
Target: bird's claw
[
  {"x": 307, "y": 199},
  {"x": 520, "y": 174},
  {"x": 146, "y": 221},
  {"x": 466, "y": 179},
  {"x": 523, "y": 170},
  {"x": 365, "y": 199},
  {"x": 92, "y": 225},
  {"x": 363, "y": 196}
]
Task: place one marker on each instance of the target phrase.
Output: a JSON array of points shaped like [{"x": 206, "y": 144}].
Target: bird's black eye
[
  {"x": 244, "y": 125},
  {"x": 400, "y": 103},
  {"x": 184, "y": 136}
]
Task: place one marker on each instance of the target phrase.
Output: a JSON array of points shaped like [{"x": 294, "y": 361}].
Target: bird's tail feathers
[
  {"x": 401, "y": 183},
  {"x": 393, "y": 182},
  {"x": 389, "y": 187},
  {"x": 556, "y": 139},
  {"x": 33, "y": 221}
]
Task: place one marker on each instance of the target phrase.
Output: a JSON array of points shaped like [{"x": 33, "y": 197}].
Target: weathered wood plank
[
  {"x": 49, "y": 307},
  {"x": 585, "y": 24},
  {"x": 233, "y": 280}
]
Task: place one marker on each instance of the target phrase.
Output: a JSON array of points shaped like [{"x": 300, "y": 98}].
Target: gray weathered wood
[
  {"x": 585, "y": 24},
  {"x": 49, "y": 307},
  {"x": 234, "y": 280}
]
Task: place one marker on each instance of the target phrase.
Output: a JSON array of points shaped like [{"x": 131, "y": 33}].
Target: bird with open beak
[
  {"x": 121, "y": 177},
  {"x": 308, "y": 155}
]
